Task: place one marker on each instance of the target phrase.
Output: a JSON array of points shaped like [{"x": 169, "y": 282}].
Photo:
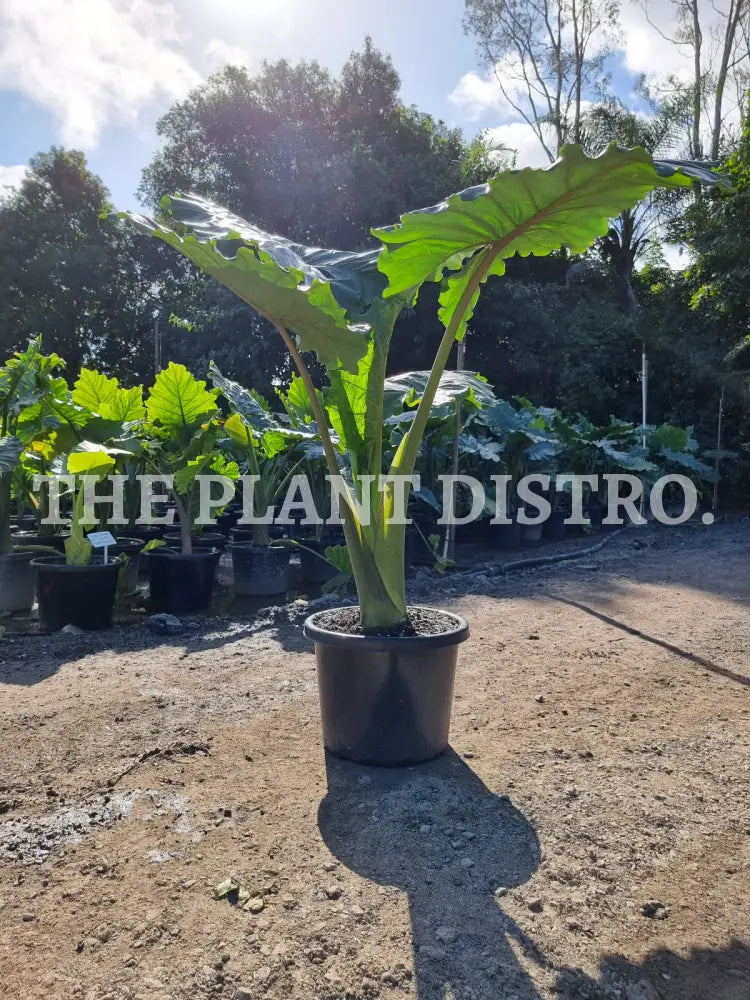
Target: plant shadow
[
  {"x": 437, "y": 832},
  {"x": 703, "y": 974}
]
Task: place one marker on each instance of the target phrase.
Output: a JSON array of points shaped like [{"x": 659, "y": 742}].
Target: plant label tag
[{"x": 101, "y": 539}]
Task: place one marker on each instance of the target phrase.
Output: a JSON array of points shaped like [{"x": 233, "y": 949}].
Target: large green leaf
[
  {"x": 10, "y": 453},
  {"x": 530, "y": 211},
  {"x": 407, "y": 389},
  {"x": 178, "y": 401},
  {"x": 320, "y": 295},
  {"x": 241, "y": 400},
  {"x": 104, "y": 396}
]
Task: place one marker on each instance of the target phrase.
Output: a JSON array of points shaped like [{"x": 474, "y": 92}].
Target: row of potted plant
[{"x": 385, "y": 670}]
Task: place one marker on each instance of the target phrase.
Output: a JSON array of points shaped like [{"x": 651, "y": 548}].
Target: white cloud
[
  {"x": 520, "y": 137},
  {"x": 475, "y": 95},
  {"x": 92, "y": 62},
  {"x": 218, "y": 53},
  {"x": 11, "y": 177}
]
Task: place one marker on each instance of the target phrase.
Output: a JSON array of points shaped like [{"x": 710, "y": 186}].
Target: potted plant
[
  {"x": 385, "y": 670},
  {"x": 79, "y": 588},
  {"x": 25, "y": 380},
  {"x": 268, "y": 450},
  {"x": 180, "y": 438}
]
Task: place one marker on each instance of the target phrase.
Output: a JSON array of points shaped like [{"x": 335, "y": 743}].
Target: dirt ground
[{"x": 588, "y": 835}]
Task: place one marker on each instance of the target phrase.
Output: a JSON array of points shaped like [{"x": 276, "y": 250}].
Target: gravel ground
[{"x": 587, "y": 836}]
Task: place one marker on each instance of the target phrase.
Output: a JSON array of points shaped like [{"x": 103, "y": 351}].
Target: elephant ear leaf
[
  {"x": 530, "y": 211},
  {"x": 10, "y": 453},
  {"x": 320, "y": 295},
  {"x": 241, "y": 400},
  {"x": 179, "y": 401}
]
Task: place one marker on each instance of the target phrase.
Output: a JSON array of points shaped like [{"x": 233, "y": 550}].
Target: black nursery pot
[
  {"x": 83, "y": 596},
  {"x": 506, "y": 536},
  {"x": 314, "y": 569},
  {"x": 554, "y": 527},
  {"x": 259, "y": 570},
  {"x": 386, "y": 700},
  {"x": 208, "y": 539},
  {"x": 179, "y": 582}
]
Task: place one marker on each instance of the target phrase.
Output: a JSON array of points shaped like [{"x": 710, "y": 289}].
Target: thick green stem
[
  {"x": 406, "y": 456},
  {"x": 184, "y": 518}
]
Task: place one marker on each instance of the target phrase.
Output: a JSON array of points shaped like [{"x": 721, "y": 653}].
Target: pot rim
[
  {"x": 245, "y": 546},
  {"x": 58, "y": 564},
  {"x": 387, "y": 643},
  {"x": 198, "y": 552},
  {"x": 15, "y": 556}
]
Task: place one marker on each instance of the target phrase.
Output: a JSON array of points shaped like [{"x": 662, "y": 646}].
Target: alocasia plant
[{"x": 343, "y": 306}]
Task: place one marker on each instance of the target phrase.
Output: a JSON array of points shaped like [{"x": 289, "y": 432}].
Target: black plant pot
[
  {"x": 143, "y": 532},
  {"x": 182, "y": 583},
  {"x": 259, "y": 570},
  {"x": 26, "y": 522},
  {"x": 315, "y": 569},
  {"x": 23, "y": 538},
  {"x": 203, "y": 539},
  {"x": 506, "y": 536},
  {"x": 17, "y": 581},
  {"x": 83, "y": 596},
  {"x": 386, "y": 701},
  {"x": 245, "y": 536},
  {"x": 554, "y": 527},
  {"x": 130, "y": 547},
  {"x": 593, "y": 511},
  {"x": 226, "y": 521},
  {"x": 531, "y": 534}
]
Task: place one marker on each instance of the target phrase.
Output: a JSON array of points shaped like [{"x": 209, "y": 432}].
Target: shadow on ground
[
  {"x": 437, "y": 832},
  {"x": 704, "y": 974}
]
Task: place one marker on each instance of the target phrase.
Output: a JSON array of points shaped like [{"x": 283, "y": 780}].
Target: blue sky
[{"x": 96, "y": 74}]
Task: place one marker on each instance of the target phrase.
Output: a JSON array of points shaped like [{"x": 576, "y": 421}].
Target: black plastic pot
[
  {"x": 531, "y": 534},
  {"x": 27, "y": 522},
  {"x": 386, "y": 701},
  {"x": 554, "y": 527},
  {"x": 17, "y": 581},
  {"x": 506, "y": 536},
  {"x": 244, "y": 536},
  {"x": 130, "y": 547},
  {"x": 259, "y": 570},
  {"x": 83, "y": 596},
  {"x": 50, "y": 541},
  {"x": 593, "y": 511},
  {"x": 226, "y": 521},
  {"x": 203, "y": 539},
  {"x": 143, "y": 532},
  {"x": 315, "y": 569},
  {"x": 181, "y": 583}
]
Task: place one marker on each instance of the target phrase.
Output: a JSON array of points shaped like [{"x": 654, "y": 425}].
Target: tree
[
  {"x": 547, "y": 56},
  {"x": 317, "y": 158},
  {"x": 720, "y": 56},
  {"x": 64, "y": 275}
]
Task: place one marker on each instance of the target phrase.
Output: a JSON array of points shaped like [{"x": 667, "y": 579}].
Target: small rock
[
  {"x": 333, "y": 891},
  {"x": 243, "y": 994},
  {"x": 500, "y": 892},
  {"x": 357, "y": 911},
  {"x": 330, "y": 866},
  {"x": 655, "y": 910},
  {"x": 467, "y": 863},
  {"x": 254, "y": 905},
  {"x": 446, "y": 935},
  {"x": 28, "y": 918},
  {"x": 425, "y": 828},
  {"x": 164, "y": 624},
  {"x": 536, "y": 905},
  {"x": 72, "y": 630},
  {"x": 540, "y": 699}
]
